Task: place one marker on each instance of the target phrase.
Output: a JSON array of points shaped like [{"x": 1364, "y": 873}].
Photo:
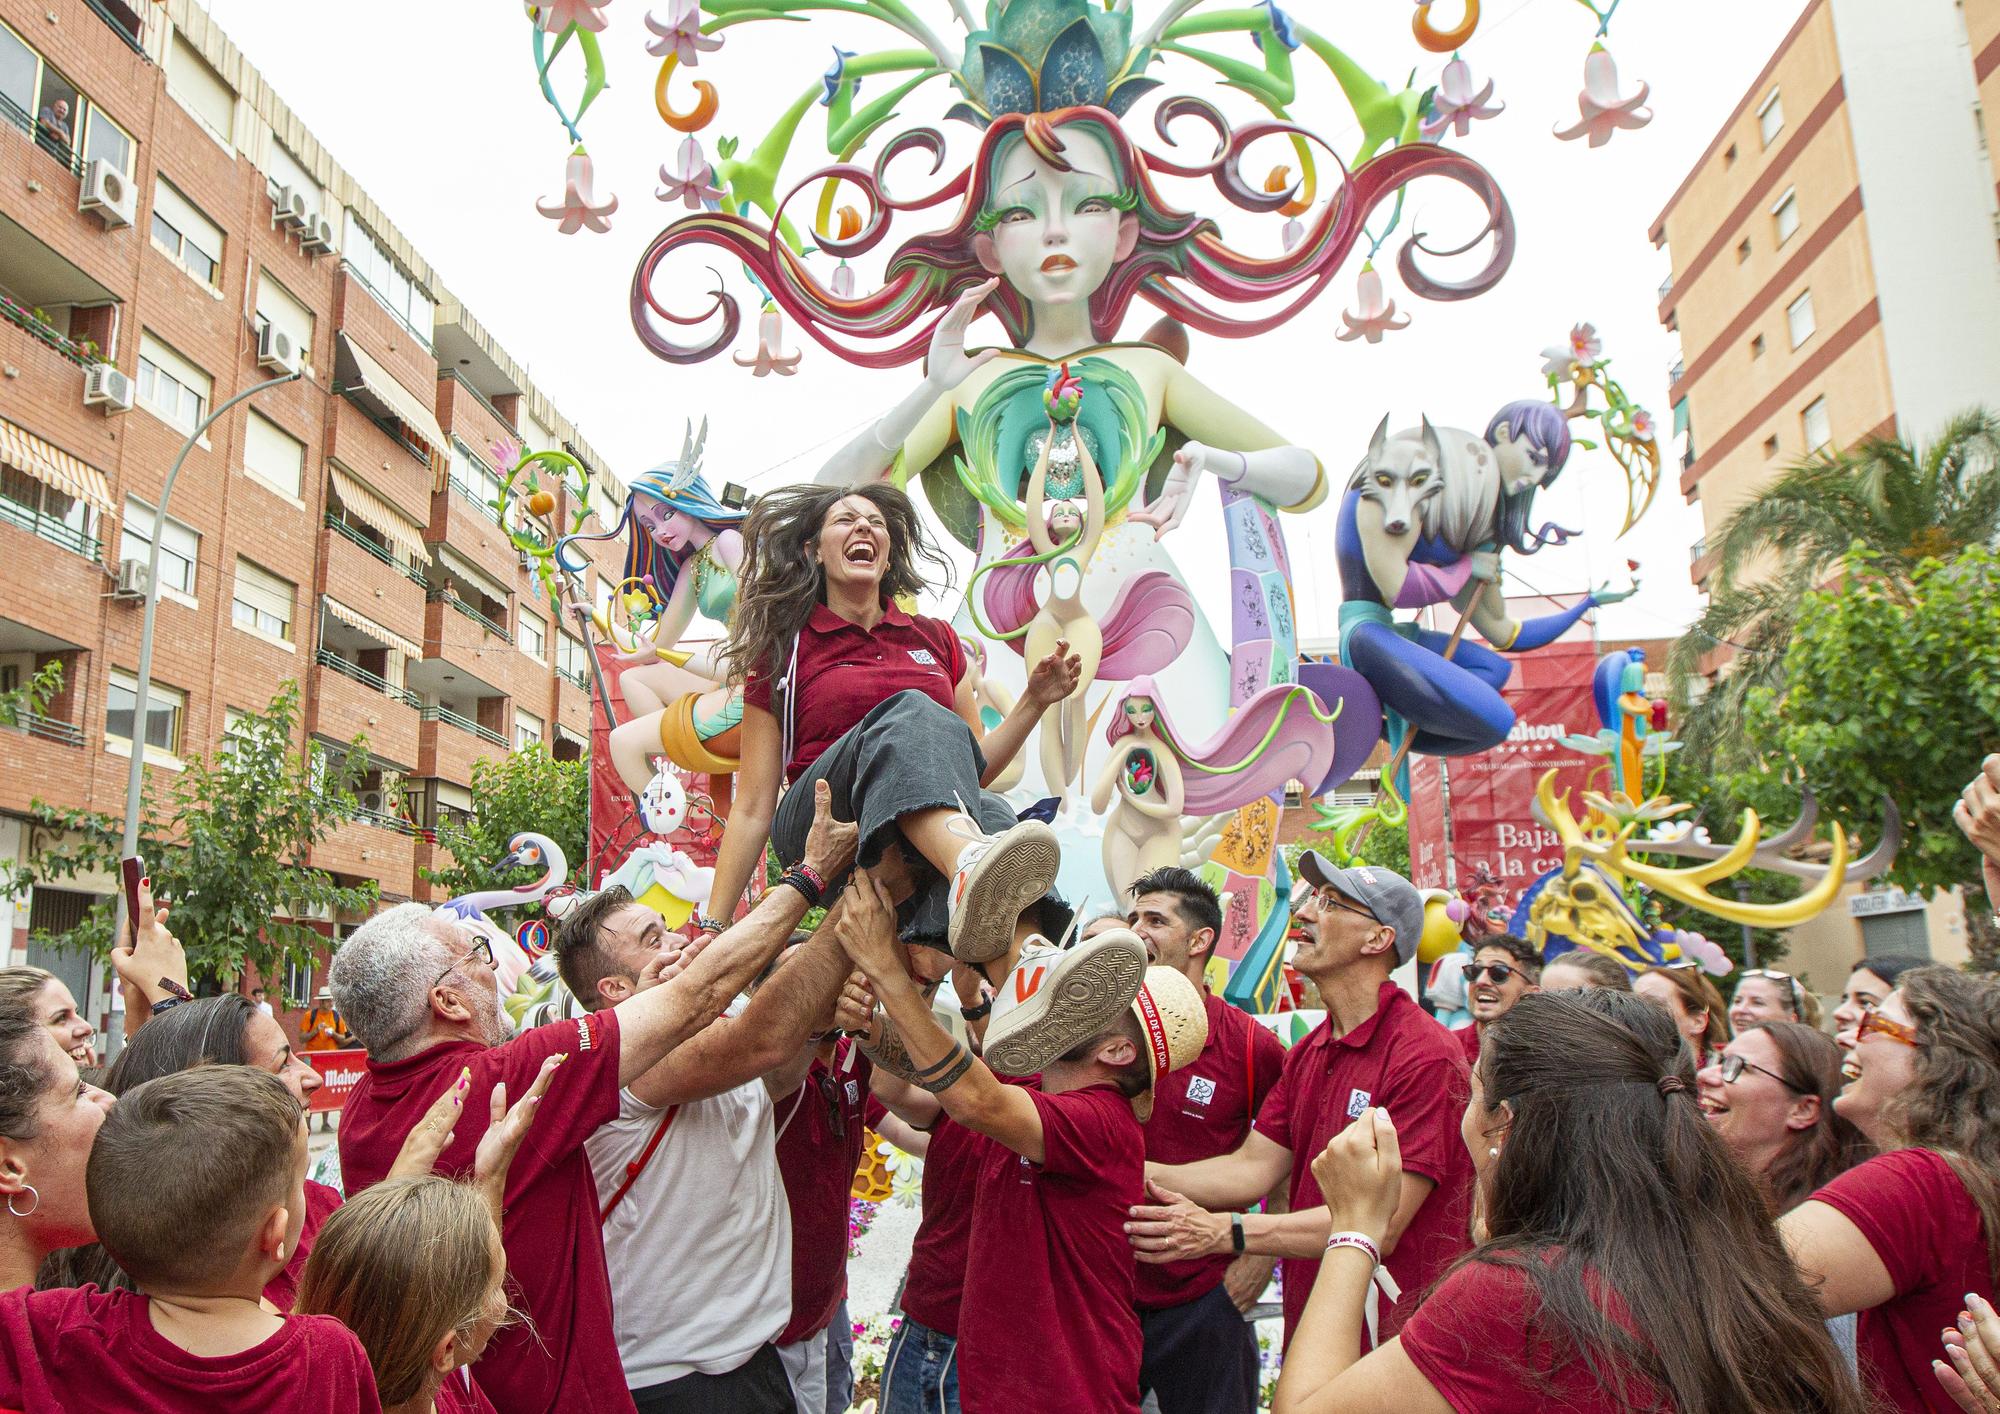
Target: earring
[
  {"x": 29, "y": 1189},
  {"x": 1493, "y": 1153},
  {"x": 280, "y": 1254}
]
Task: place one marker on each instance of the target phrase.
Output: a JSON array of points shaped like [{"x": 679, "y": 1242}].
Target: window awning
[
  {"x": 377, "y": 514},
  {"x": 361, "y": 623},
  {"x": 52, "y": 466},
  {"x": 472, "y": 574},
  {"x": 359, "y": 376}
]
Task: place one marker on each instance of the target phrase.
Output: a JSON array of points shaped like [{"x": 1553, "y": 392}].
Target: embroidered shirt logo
[
  {"x": 1357, "y": 1101},
  {"x": 923, "y": 656},
  {"x": 1200, "y": 1090},
  {"x": 853, "y": 1093}
]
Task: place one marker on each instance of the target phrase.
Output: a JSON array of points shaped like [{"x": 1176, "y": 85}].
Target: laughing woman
[{"x": 841, "y": 685}]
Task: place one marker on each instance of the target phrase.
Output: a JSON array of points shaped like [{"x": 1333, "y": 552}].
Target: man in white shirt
[{"x": 697, "y": 1233}]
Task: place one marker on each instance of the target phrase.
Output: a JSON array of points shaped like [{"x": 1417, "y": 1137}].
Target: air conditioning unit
[
  {"x": 371, "y": 801},
  {"x": 131, "y": 581},
  {"x": 106, "y": 387},
  {"x": 108, "y": 192},
  {"x": 277, "y": 349},
  {"x": 317, "y": 236},
  {"x": 288, "y": 209}
]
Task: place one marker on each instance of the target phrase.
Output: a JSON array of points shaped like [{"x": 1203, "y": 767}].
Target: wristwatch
[
  {"x": 974, "y": 1013},
  {"x": 1236, "y": 1239}
]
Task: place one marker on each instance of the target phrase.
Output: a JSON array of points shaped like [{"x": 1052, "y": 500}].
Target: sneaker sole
[
  {"x": 1000, "y": 886},
  {"x": 1088, "y": 990}
]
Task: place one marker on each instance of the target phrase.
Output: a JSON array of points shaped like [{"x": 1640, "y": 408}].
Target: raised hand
[
  {"x": 1605, "y": 594},
  {"x": 1055, "y": 677},
  {"x": 866, "y": 928},
  {"x": 947, "y": 365},
  {"x": 829, "y": 843},
  {"x": 854, "y": 1008},
  {"x": 156, "y": 954},
  {"x": 431, "y": 1135},
  {"x": 505, "y": 1130},
  {"x": 1170, "y": 507},
  {"x": 1361, "y": 1174}
]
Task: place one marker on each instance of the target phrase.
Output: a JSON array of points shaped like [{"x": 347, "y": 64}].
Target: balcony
[
  {"x": 359, "y": 674},
  {"x": 1666, "y": 286},
  {"x": 360, "y": 848},
  {"x": 354, "y": 537},
  {"x": 39, "y": 511},
  {"x": 445, "y": 596},
  {"x": 1674, "y": 372},
  {"x": 464, "y": 724},
  {"x": 349, "y": 700},
  {"x": 1696, "y": 551}
]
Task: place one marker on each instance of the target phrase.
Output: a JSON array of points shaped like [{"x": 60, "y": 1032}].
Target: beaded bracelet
[{"x": 808, "y": 885}]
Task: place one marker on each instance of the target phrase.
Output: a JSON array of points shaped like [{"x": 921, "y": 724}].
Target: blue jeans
[{"x": 920, "y": 1375}]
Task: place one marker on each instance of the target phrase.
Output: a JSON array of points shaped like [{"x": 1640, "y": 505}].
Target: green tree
[
  {"x": 226, "y": 841},
  {"x": 1892, "y": 688},
  {"x": 1900, "y": 505},
  {"x": 526, "y": 791}
]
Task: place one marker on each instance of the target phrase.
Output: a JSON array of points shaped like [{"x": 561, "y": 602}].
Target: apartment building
[
  {"x": 1835, "y": 267},
  {"x": 170, "y": 235}
]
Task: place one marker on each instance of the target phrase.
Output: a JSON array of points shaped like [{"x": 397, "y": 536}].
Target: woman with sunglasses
[
  {"x": 1765, "y": 995},
  {"x": 1872, "y": 979},
  {"x": 1903, "y": 1237},
  {"x": 1625, "y": 1262},
  {"x": 1502, "y": 971},
  {"x": 1694, "y": 1004}
]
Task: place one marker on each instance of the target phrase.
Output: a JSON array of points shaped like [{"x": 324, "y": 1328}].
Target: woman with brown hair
[
  {"x": 841, "y": 685},
  {"x": 1903, "y": 1237},
  {"x": 1694, "y": 1003},
  {"x": 1625, "y": 1261},
  {"x": 1769, "y": 1093}
]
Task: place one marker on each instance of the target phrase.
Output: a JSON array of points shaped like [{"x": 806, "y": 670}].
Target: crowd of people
[{"x": 1607, "y": 1192}]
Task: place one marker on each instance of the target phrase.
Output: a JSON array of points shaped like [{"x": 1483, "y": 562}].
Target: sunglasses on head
[
  {"x": 1498, "y": 971},
  {"x": 1791, "y": 985}
]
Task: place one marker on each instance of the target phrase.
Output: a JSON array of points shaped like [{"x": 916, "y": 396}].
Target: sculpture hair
[
  {"x": 643, "y": 554},
  {"x": 1545, "y": 428},
  {"x": 1180, "y": 263}
]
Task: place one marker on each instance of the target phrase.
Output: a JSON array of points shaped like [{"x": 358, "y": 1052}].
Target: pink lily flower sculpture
[
  {"x": 579, "y": 207},
  {"x": 1378, "y": 313},
  {"x": 1456, "y": 105},
  {"x": 555, "y": 16},
  {"x": 694, "y": 184},
  {"x": 768, "y": 360},
  {"x": 681, "y": 35},
  {"x": 1603, "y": 111},
  {"x": 1584, "y": 347}
]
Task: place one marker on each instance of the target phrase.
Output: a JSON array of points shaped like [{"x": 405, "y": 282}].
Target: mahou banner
[{"x": 1489, "y": 798}]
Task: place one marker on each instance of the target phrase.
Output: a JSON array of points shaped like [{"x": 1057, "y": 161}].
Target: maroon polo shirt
[
  {"x": 819, "y": 1148},
  {"x": 1201, "y": 1110},
  {"x": 1047, "y": 1309},
  {"x": 1400, "y": 1059},
  {"x": 1467, "y": 1037},
  {"x": 936, "y": 1280},
  {"x": 845, "y": 672},
  {"x": 564, "y": 1358}
]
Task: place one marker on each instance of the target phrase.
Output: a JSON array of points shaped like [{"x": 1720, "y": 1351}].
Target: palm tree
[{"x": 1882, "y": 495}]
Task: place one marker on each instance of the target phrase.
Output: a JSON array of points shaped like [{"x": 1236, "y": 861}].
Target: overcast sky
[{"x": 434, "y": 109}]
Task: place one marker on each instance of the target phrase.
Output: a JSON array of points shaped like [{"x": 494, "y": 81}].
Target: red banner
[
  {"x": 339, "y": 1073},
  {"x": 1487, "y": 801}
]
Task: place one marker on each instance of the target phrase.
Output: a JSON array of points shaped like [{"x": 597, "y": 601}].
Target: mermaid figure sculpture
[
  {"x": 681, "y": 556},
  {"x": 1423, "y": 521}
]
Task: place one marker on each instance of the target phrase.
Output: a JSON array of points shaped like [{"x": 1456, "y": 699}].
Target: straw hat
[{"x": 1173, "y": 1021}]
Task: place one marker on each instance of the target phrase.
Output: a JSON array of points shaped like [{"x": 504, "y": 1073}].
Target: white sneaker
[
  {"x": 998, "y": 876},
  {"x": 1054, "y": 1001}
]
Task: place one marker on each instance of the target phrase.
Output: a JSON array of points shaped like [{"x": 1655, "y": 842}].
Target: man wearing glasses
[
  {"x": 1376, "y": 1048},
  {"x": 422, "y": 996},
  {"x": 1502, "y": 971}
]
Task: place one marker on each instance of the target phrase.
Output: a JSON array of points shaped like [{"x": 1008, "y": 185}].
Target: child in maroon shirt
[{"x": 196, "y": 1185}]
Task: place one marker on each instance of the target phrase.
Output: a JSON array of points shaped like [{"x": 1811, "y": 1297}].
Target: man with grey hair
[{"x": 421, "y": 994}]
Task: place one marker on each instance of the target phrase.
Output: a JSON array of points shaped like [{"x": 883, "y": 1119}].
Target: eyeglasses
[
  {"x": 829, "y": 1091},
  {"x": 1732, "y": 1068},
  {"x": 481, "y": 950},
  {"x": 1500, "y": 972},
  {"x": 1331, "y": 898},
  {"x": 1791, "y": 985},
  {"x": 1873, "y": 1023}
]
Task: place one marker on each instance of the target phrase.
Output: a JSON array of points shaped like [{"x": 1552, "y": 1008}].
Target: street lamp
[{"x": 135, "y": 779}]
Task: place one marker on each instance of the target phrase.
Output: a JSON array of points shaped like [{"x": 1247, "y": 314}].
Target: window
[
  {"x": 40, "y": 508},
  {"x": 1818, "y": 426},
  {"x": 603, "y": 597},
  {"x": 1770, "y": 446},
  {"x": 105, "y": 141},
  {"x": 369, "y": 259},
  {"x": 281, "y": 169},
  {"x": 1785, "y": 215},
  {"x": 534, "y": 639},
  {"x": 1757, "y": 347},
  {"x": 202, "y": 91},
  {"x": 570, "y": 660},
  {"x": 1770, "y": 118},
  {"x": 527, "y": 730},
  {"x": 20, "y": 78},
  {"x": 262, "y": 602},
  {"x": 180, "y": 547},
  {"x": 38, "y": 100},
  {"x": 472, "y": 476},
  {"x": 1742, "y": 250},
  {"x": 165, "y": 709},
  {"x": 278, "y": 305},
  {"x": 1799, "y": 318},
  {"x": 185, "y": 236},
  {"x": 272, "y": 455},
  {"x": 171, "y": 386}
]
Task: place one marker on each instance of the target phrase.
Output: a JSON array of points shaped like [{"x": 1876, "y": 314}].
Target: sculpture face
[
  {"x": 1059, "y": 233},
  {"x": 1139, "y": 713},
  {"x": 1065, "y": 519},
  {"x": 671, "y": 530}
]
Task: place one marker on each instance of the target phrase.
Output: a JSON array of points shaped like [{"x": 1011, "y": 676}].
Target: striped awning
[
  {"x": 52, "y": 466},
  {"x": 377, "y": 514},
  {"x": 361, "y": 623},
  {"x": 359, "y": 376}
]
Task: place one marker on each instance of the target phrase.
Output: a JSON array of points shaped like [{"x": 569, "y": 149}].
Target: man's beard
[{"x": 493, "y": 1022}]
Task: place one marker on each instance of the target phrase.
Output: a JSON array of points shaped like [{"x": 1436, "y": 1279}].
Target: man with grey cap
[{"x": 1378, "y": 1048}]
